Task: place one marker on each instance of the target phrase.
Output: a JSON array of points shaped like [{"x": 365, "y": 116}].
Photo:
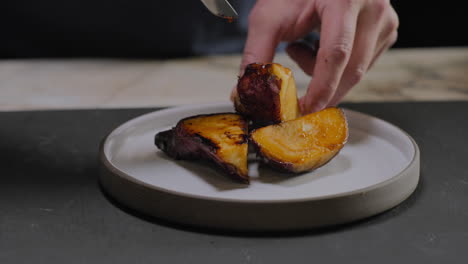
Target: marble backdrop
[{"x": 400, "y": 75}]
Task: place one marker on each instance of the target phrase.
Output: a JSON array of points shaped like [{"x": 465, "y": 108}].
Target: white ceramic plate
[{"x": 377, "y": 169}]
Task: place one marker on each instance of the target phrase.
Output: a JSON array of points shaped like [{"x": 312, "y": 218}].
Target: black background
[{"x": 160, "y": 29}]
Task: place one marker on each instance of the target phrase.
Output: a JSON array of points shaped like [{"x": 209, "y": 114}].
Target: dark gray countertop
[{"x": 53, "y": 211}]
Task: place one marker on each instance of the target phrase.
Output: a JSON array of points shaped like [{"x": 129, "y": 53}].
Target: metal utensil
[{"x": 221, "y": 8}]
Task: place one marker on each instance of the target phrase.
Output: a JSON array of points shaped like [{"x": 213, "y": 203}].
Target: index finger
[
  {"x": 260, "y": 45},
  {"x": 336, "y": 43}
]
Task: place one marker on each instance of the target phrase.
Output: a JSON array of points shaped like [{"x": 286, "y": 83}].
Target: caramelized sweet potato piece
[
  {"x": 303, "y": 144},
  {"x": 221, "y": 138},
  {"x": 267, "y": 94}
]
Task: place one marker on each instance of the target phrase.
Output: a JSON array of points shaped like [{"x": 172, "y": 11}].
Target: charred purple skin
[
  {"x": 258, "y": 94},
  {"x": 179, "y": 144}
]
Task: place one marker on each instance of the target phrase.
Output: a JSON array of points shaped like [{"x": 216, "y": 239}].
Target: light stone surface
[{"x": 400, "y": 75}]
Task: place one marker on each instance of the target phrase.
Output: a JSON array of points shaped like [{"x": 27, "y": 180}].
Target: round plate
[{"x": 377, "y": 169}]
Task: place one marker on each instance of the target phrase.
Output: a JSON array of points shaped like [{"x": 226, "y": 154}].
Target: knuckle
[
  {"x": 356, "y": 75},
  {"x": 327, "y": 88},
  {"x": 351, "y": 3},
  {"x": 339, "y": 53},
  {"x": 380, "y": 7},
  {"x": 394, "y": 22}
]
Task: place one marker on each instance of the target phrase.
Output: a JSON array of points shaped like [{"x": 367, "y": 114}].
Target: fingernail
[
  {"x": 321, "y": 104},
  {"x": 317, "y": 106}
]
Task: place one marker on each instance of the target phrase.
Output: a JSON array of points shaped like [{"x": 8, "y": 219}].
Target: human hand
[{"x": 353, "y": 34}]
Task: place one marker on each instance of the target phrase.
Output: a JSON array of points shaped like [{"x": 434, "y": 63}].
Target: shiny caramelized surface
[
  {"x": 306, "y": 142},
  {"x": 288, "y": 93},
  {"x": 227, "y": 132}
]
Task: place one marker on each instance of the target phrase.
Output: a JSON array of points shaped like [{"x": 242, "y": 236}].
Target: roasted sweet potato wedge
[
  {"x": 303, "y": 144},
  {"x": 267, "y": 94},
  {"x": 221, "y": 138}
]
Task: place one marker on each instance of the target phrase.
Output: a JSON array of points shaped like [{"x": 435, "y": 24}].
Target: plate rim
[{"x": 108, "y": 164}]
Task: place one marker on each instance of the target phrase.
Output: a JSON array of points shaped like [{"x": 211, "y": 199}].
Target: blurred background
[
  {"x": 170, "y": 29},
  {"x": 77, "y": 54}
]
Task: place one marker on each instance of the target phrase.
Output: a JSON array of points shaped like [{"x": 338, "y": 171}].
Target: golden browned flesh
[
  {"x": 267, "y": 94},
  {"x": 221, "y": 138},
  {"x": 303, "y": 144}
]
